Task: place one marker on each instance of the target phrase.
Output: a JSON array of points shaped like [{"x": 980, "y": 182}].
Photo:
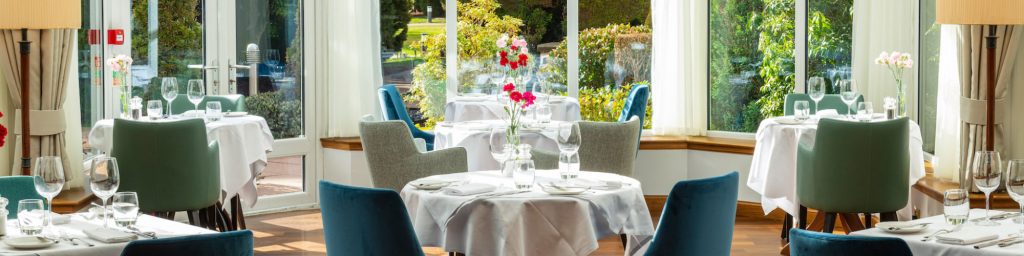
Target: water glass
[
  {"x": 864, "y": 111},
  {"x": 802, "y": 110},
  {"x": 568, "y": 166},
  {"x": 543, "y": 114},
  {"x": 169, "y": 90},
  {"x": 104, "y": 178},
  {"x": 524, "y": 174},
  {"x": 1015, "y": 185},
  {"x": 956, "y": 206},
  {"x": 213, "y": 111},
  {"x": 154, "y": 109},
  {"x": 48, "y": 176},
  {"x": 31, "y": 217},
  {"x": 126, "y": 209},
  {"x": 986, "y": 173}
]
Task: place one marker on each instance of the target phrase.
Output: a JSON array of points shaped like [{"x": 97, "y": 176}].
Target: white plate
[
  {"x": 28, "y": 243},
  {"x": 789, "y": 120},
  {"x": 884, "y": 227},
  {"x": 235, "y": 114},
  {"x": 564, "y": 190},
  {"x": 430, "y": 184}
]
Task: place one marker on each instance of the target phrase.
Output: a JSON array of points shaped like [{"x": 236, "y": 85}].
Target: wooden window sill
[
  {"x": 721, "y": 145},
  {"x": 934, "y": 188}
]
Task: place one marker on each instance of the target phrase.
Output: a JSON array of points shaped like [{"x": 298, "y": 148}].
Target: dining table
[
  {"x": 475, "y": 137},
  {"x": 535, "y": 221},
  {"x": 473, "y": 107},
  {"x": 1007, "y": 229},
  {"x": 83, "y": 245},
  {"x": 244, "y": 143}
]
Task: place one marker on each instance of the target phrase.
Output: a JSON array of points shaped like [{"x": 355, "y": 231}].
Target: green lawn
[
  {"x": 437, "y": 20},
  {"x": 416, "y": 29}
]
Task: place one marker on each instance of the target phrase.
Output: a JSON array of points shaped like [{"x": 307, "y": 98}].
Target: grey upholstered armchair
[
  {"x": 395, "y": 161},
  {"x": 606, "y": 147}
]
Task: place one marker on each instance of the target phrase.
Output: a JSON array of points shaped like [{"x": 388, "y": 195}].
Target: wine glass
[
  {"x": 543, "y": 113},
  {"x": 500, "y": 149},
  {"x": 1015, "y": 185},
  {"x": 126, "y": 209},
  {"x": 154, "y": 109},
  {"x": 848, "y": 93},
  {"x": 986, "y": 171},
  {"x": 956, "y": 206},
  {"x": 196, "y": 92},
  {"x": 568, "y": 137},
  {"x": 816, "y": 89},
  {"x": 104, "y": 178},
  {"x": 48, "y": 175},
  {"x": 169, "y": 90}
]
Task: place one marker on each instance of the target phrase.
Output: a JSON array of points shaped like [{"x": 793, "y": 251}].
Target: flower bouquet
[
  {"x": 3, "y": 132},
  {"x": 512, "y": 59},
  {"x": 121, "y": 65},
  {"x": 897, "y": 62}
]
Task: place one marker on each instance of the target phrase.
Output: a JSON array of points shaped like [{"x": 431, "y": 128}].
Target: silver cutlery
[
  {"x": 87, "y": 243},
  {"x": 943, "y": 231},
  {"x": 1009, "y": 238},
  {"x": 997, "y": 217},
  {"x": 908, "y": 226},
  {"x": 1011, "y": 242},
  {"x": 72, "y": 241}
]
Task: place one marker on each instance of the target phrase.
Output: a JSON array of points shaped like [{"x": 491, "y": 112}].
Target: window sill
[
  {"x": 711, "y": 144},
  {"x": 934, "y": 188}
]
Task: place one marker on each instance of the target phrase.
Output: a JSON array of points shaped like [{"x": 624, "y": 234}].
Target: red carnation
[
  {"x": 529, "y": 98},
  {"x": 514, "y": 48},
  {"x": 523, "y": 57},
  {"x": 3, "y": 133},
  {"x": 509, "y": 87},
  {"x": 515, "y": 96},
  {"x": 503, "y": 54},
  {"x": 514, "y": 65},
  {"x": 504, "y": 61}
]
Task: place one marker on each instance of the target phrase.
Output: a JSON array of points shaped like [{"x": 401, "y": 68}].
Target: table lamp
[
  {"x": 35, "y": 14},
  {"x": 983, "y": 12}
]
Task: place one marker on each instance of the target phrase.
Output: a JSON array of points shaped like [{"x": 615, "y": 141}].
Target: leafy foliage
[
  {"x": 776, "y": 44},
  {"x": 597, "y": 50},
  {"x": 605, "y": 104},
  {"x": 394, "y": 25},
  {"x": 179, "y": 36},
  {"x": 283, "y": 113}
]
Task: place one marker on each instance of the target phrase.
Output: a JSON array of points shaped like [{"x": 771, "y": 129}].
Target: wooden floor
[{"x": 301, "y": 233}]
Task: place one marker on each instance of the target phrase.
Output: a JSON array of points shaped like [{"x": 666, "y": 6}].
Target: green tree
[
  {"x": 180, "y": 36},
  {"x": 776, "y": 43},
  {"x": 394, "y": 23}
]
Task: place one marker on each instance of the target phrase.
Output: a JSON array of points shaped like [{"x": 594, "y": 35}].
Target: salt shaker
[
  {"x": 890, "y": 108},
  {"x": 135, "y": 103}
]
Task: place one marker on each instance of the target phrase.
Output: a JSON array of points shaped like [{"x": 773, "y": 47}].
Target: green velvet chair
[
  {"x": 17, "y": 188},
  {"x": 855, "y": 167},
  {"x": 830, "y": 101},
  {"x": 228, "y": 103},
  {"x": 394, "y": 159},
  {"x": 171, "y": 165}
]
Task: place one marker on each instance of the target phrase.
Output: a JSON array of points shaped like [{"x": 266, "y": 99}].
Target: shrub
[
  {"x": 394, "y": 25},
  {"x": 605, "y": 104},
  {"x": 283, "y": 113},
  {"x": 597, "y": 47}
]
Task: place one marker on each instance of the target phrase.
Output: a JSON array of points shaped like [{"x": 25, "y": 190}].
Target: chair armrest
[
  {"x": 421, "y": 144},
  {"x": 445, "y": 161},
  {"x": 417, "y": 133}
]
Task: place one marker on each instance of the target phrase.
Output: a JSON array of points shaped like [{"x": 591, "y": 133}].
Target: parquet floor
[{"x": 300, "y": 233}]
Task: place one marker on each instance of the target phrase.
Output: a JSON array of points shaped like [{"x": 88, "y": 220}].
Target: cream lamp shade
[
  {"x": 40, "y": 14},
  {"x": 979, "y": 12}
]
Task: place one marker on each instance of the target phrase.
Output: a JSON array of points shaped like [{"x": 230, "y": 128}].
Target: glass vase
[{"x": 901, "y": 98}]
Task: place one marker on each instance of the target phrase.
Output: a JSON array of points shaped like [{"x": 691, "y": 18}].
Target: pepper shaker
[{"x": 890, "y": 108}]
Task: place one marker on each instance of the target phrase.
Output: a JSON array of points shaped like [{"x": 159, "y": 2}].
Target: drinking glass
[
  {"x": 500, "y": 149},
  {"x": 543, "y": 114},
  {"x": 568, "y": 137},
  {"x": 104, "y": 178},
  {"x": 986, "y": 171},
  {"x": 196, "y": 92},
  {"x": 1015, "y": 185},
  {"x": 864, "y": 111},
  {"x": 169, "y": 90},
  {"x": 848, "y": 93},
  {"x": 956, "y": 206},
  {"x": 154, "y": 109},
  {"x": 48, "y": 175},
  {"x": 816, "y": 89},
  {"x": 568, "y": 166},
  {"x": 524, "y": 174},
  {"x": 126, "y": 209},
  {"x": 213, "y": 111},
  {"x": 801, "y": 110},
  {"x": 31, "y": 217}
]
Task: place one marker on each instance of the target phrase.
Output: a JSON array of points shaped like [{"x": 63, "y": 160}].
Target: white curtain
[
  {"x": 884, "y": 26},
  {"x": 352, "y": 66},
  {"x": 947, "y": 126},
  {"x": 679, "y": 67}
]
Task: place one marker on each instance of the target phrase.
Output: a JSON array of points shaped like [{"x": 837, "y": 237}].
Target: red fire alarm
[{"x": 115, "y": 36}]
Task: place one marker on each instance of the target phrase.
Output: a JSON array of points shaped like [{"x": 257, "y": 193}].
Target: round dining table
[
  {"x": 507, "y": 221},
  {"x": 475, "y": 137},
  {"x": 485, "y": 107}
]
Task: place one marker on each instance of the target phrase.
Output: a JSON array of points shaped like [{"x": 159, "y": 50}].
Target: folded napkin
[
  {"x": 60, "y": 219},
  {"x": 469, "y": 189},
  {"x": 827, "y": 113},
  {"x": 966, "y": 237},
  {"x": 108, "y": 235}
]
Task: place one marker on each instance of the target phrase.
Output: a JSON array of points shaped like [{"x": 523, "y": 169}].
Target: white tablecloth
[
  {"x": 163, "y": 228},
  {"x": 773, "y": 170},
  {"x": 933, "y": 248},
  {"x": 531, "y": 223},
  {"x": 244, "y": 143},
  {"x": 466, "y": 108},
  {"x": 475, "y": 137}
]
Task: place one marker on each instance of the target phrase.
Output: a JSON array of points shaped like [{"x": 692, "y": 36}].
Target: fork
[{"x": 943, "y": 231}]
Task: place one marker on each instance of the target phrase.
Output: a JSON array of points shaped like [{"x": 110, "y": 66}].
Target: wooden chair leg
[
  {"x": 830, "y": 222},
  {"x": 868, "y": 222},
  {"x": 191, "y": 217},
  {"x": 787, "y": 224},
  {"x": 889, "y": 216},
  {"x": 237, "y": 214},
  {"x": 803, "y": 217},
  {"x": 851, "y": 222}
]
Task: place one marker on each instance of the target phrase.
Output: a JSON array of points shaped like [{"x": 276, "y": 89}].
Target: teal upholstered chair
[
  {"x": 366, "y": 221},
  {"x": 830, "y": 101},
  {"x": 393, "y": 108},
  {"x": 235, "y": 243},
  {"x": 855, "y": 167},
  {"x": 394, "y": 160},
  {"x": 636, "y": 106},
  {"x": 17, "y": 188},
  {"x": 698, "y": 218},
  {"x": 171, "y": 165},
  {"x": 228, "y": 103},
  {"x": 809, "y": 243}
]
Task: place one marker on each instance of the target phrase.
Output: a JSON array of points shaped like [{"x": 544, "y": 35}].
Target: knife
[
  {"x": 1011, "y": 242},
  {"x": 1011, "y": 238}
]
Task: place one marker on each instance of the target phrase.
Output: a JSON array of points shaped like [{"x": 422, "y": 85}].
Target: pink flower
[
  {"x": 523, "y": 50},
  {"x": 502, "y": 41},
  {"x": 515, "y": 96},
  {"x": 519, "y": 43},
  {"x": 509, "y": 87}
]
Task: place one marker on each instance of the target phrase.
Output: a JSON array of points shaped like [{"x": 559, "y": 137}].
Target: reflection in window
[
  {"x": 412, "y": 56},
  {"x": 276, "y": 27},
  {"x": 931, "y": 37},
  {"x": 829, "y": 35}
]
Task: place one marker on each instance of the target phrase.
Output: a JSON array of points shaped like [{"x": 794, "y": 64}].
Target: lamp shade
[
  {"x": 979, "y": 12},
  {"x": 40, "y": 14}
]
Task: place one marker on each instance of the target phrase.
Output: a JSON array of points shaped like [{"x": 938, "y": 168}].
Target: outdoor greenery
[
  {"x": 283, "y": 115},
  {"x": 394, "y": 25},
  {"x": 180, "y": 37},
  {"x": 605, "y": 103},
  {"x": 597, "y": 50}
]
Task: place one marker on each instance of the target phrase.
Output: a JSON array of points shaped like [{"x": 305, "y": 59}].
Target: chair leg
[
  {"x": 868, "y": 222},
  {"x": 830, "y": 222},
  {"x": 889, "y": 216},
  {"x": 625, "y": 240},
  {"x": 787, "y": 224},
  {"x": 851, "y": 222},
  {"x": 191, "y": 217},
  {"x": 803, "y": 217},
  {"x": 237, "y": 214}
]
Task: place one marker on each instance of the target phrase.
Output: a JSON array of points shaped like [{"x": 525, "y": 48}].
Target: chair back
[
  {"x": 791, "y": 99},
  {"x": 171, "y": 165},
  {"x": 810, "y": 243},
  {"x": 830, "y": 101},
  {"x": 228, "y": 103},
  {"x": 856, "y": 167},
  {"x": 609, "y": 146},
  {"x": 387, "y": 145},
  {"x": 234, "y": 243},
  {"x": 698, "y": 218},
  {"x": 366, "y": 221},
  {"x": 636, "y": 104},
  {"x": 393, "y": 109},
  {"x": 17, "y": 188}
]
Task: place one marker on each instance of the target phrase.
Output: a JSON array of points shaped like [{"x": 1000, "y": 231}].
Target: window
[
  {"x": 829, "y": 40},
  {"x": 615, "y": 54},
  {"x": 413, "y": 57},
  {"x": 930, "y": 40},
  {"x": 90, "y": 71}
]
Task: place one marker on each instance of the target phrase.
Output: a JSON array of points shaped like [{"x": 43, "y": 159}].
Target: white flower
[{"x": 502, "y": 41}]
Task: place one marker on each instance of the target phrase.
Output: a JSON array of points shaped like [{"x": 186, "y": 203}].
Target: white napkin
[
  {"x": 108, "y": 235},
  {"x": 469, "y": 189},
  {"x": 966, "y": 237},
  {"x": 60, "y": 219},
  {"x": 428, "y": 182},
  {"x": 827, "y": 113}
]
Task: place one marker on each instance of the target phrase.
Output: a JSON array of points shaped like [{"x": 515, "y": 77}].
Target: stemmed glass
[
  {"x": 48, "y": 175},
  {"x": 169, "y": 90},
  {"x": 196, "y": 92},
  {"x": 848, "y": 93},
  {"x": 104, "y": 178},
  {"x": 568, "y": 144},
  {"x": 986, "y": 171},
  {"x": 1015, "y": 185},
  {"x": 816, "y": 89},
  {"x": 500, "y": 149}
]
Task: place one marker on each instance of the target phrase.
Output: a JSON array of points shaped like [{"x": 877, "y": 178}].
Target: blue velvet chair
[
  {"x": 810, "y": 243},
  {"x": 17, "y": 188},
  {"x": 636, "y": 104},
  {"x": 366, "y": 221},
  {"x": 698, "y": 218},
  {"x": 393, "y": 107},
  {"x": 235, "y": 243}
]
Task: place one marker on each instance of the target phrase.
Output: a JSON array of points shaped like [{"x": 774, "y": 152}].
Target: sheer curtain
[
  {"x": 947, "y": 126},
  {"x": 352, "y": 67},
  {"x": 884, "y": 26},
  {"x": 679, "y": 67}
]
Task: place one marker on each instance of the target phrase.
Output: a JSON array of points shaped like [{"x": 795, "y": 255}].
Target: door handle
[
  {"x": 233, "y": 78},
  {"x": 213, "y": 67}
]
